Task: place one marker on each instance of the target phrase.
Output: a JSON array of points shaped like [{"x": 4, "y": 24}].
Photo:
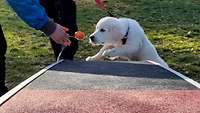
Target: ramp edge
[
  {"x": 191, "y": 81},
  {"x": 16, "y": 89}
]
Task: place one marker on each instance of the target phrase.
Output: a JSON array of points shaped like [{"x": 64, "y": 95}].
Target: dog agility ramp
[{"x": 104, "y": 87}]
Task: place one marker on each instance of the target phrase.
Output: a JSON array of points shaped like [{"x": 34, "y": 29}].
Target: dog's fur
[{"x": 110, "y": 31}]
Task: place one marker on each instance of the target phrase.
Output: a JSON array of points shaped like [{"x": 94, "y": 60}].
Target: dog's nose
[{"x": 92, "y": 37}]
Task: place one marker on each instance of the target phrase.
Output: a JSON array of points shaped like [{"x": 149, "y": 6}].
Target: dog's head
[{"x": 108, "y": 31}]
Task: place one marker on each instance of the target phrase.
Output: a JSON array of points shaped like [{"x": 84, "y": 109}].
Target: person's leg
[
  {"x": 3, "y": 47},
  {"x": 49, "y": 6},
  {"x": 68, "y": 19},
  {"x": 64, "y": 13}
]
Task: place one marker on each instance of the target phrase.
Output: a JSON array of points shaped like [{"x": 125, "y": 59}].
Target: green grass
[{"x": 173, "y": 26}]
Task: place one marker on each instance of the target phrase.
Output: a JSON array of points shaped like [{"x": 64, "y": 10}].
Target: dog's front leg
[
  {"x": 124, "y": 50},
  {"x": 99, "y": 55}
]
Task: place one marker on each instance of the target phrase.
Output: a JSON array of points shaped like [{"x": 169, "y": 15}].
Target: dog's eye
[{"x": 102, "y": 30}]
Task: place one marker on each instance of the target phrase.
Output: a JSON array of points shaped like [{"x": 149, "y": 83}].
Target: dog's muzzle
[{"x": 92, "y": 38}]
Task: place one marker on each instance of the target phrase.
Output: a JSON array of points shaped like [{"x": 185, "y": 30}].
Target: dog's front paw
[
  {"x": 90, "y": 58},
  {"x": 110, "y": 53}
]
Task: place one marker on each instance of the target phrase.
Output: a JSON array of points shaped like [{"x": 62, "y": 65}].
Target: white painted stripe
[
  {"x": 191, "y": 81},
  {"x": 16, "y": 89}
]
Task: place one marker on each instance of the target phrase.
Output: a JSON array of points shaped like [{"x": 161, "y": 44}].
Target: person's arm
[{"x": 33, "y": 14}]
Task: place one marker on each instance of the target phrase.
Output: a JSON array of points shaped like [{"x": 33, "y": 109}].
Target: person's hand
[{"x": 60, "y": 36}]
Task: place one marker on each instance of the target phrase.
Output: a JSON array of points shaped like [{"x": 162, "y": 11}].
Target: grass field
[{"x": 173, "y": 26}]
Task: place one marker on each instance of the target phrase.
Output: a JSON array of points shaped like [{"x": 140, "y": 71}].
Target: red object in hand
[
  {"x": 101, "y": 4},
  {"x": 98, "y": 1},
  {"x": 79, "y": 35}
]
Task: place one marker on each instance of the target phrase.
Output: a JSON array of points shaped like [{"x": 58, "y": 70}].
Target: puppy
[{"x": 125, "y": 38}]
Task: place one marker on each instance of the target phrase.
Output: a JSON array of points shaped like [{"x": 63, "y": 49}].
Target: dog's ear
[
  {"x": 111, "y": 28},
  {"x": 118, "y": 29},
  {"x": 116, "y": 34},
  {"x": 114, "y": 27}
]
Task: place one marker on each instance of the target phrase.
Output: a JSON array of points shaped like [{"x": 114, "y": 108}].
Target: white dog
[{"x": 123, "y": 37}]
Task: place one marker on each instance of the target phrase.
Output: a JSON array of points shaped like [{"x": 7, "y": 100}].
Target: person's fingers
[
  {"x": 64, "y": 28},
  {"x": 66, "y": 42},
  {"x": 60, "y": 36},
  {"x": 59, "y": 41},
  {"x": 63, "y": 41}
]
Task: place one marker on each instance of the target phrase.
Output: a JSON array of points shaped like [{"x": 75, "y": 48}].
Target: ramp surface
[{"x": 105, "y": 87}]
